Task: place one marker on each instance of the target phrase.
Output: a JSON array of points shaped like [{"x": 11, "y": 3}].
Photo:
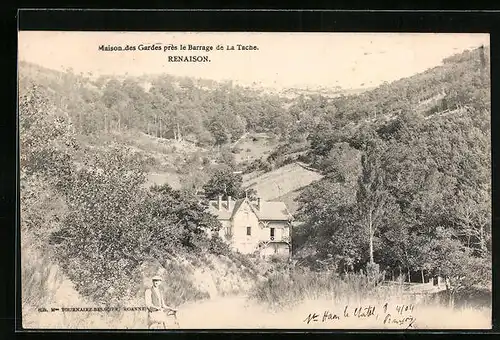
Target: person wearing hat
[{"x": 156, "y": 305}]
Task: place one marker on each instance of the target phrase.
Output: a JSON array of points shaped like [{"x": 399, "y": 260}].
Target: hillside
[
  {"x": 251, "y": 147},
  {"x": 434, "y": 93},
  {"x": 205, "y": 112},
  {"x": 388, "y": 181},
  {"x": 190, "y": 280},
  {"x": 277, "y": 183},
  {"x": 416, "y": 150}
]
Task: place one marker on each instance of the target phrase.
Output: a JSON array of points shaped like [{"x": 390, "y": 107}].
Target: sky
[{"x": 283, "y": 60}]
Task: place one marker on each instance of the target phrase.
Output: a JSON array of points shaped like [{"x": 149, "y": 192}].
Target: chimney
[
  {"x": 258, "y": 203},
  {"x": 220, "y": 202},
  {"x": 228, "y": 202}
]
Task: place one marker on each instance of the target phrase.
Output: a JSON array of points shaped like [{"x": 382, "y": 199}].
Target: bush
[
  {"x": 218, "y": 247},
  {"x": 372, "y": 269},
  {"x": 243, "y": 260},
  {"x": 267, "y": 166},
  {"x": 255, "y": 165}
]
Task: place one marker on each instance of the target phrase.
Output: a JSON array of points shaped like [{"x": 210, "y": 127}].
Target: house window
[
  {"x": 272, "y": 232},
  {"x": 249, "y": 231}
]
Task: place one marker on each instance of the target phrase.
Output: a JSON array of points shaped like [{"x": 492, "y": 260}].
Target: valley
[{"x": 116, "y": 174}]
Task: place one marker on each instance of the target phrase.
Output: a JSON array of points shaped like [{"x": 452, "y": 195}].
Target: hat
[{"x": 156, "y": 278}]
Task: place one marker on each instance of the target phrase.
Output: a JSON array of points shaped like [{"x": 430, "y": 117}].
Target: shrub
[
  {"x": 243, "y": 260},
  {"x": 218, "y": 247},
  {"x": 267, "y": 166},
  {"x": 37, "y": 277},
  {"x": 305, "y": 158},
  {"x": 372, "y": 269}
]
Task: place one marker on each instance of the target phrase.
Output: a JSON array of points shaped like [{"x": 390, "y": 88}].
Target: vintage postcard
[{"x": 177, "y": 180}]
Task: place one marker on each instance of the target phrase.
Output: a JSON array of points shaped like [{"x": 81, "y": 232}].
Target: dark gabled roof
[
  {"x": 269, "y": 211},
  {"x": 272, "y": 211},
  {"x": 225, "y": 213}
]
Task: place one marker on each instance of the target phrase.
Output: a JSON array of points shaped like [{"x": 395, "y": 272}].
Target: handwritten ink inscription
[
  {"x": 401, "y": 321},
  {"x": 327, "y": 316},
  {"x": 364, "y": 312},
  {"x": 311, "y": 317},
  {"x": 392, "y": 316}
]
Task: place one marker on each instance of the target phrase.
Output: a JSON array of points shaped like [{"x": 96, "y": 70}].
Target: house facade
[{"x": 254, "y": 226}]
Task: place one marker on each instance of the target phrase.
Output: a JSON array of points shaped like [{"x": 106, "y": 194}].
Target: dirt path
[
  {"x": 236, "y": 312},
  {"x": 239, "y": 312},
  {"x": 223, "y": 312}
]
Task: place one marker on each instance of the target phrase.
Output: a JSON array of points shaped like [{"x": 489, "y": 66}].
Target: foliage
[
  {"x": 224, "y": 182},
  {"x": 114, "y": 226},
  {"x": 407, "y": 172},
  {"x": 90, "y": 207},
  {"x": 287, "y": 286},
  {"x": 45, "y": 143},
  {"x": 415, "y": 187},
  {"x": 162, "y": 106}
]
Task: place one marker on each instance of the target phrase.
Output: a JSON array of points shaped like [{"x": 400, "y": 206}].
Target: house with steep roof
[{"x": 254, "y": 226}]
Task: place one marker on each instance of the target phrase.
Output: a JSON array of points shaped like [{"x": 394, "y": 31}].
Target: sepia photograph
[{"x": 250, "y": 180}]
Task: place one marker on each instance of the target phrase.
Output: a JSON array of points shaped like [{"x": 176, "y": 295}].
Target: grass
[
  {"x": 290, "y": 200},
  {"x": 163, "y": 155},
  {"x": 188, "y": 280},
  {"x": 38, "y": 277},
  {"x": 285, "y": 288},
  {"x": 304, "y": 292},
  {"x": 171, "y": 178},
  {"x": 281, "y": 181},
  {"x": 283, "y": 300},
  {"x": 178, "y": 290}
]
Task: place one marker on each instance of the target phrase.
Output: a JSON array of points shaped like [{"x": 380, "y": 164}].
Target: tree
[
  {"x": 224, "y": 182},
  {"x": 187, "y": 214},
  {"x": 96, "y": 243},
  {"x": 330, "y": 226},
  {"x": 114, "y": 225},
  {"x": 342, "y": 163},
  {"x": 375, "y": 203},
  {"x": 46, "y": 146},
  {"x": 219, "y": 131},
  {"x": 226, "y": 157},
  {"x": 114, "y": 99}
]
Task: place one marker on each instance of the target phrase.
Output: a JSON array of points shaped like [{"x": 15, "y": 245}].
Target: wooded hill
[
  {"x": 406, "y": 166},
  {"x": 202, "y": 111},
  {"x": 407, "y": 176}
]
